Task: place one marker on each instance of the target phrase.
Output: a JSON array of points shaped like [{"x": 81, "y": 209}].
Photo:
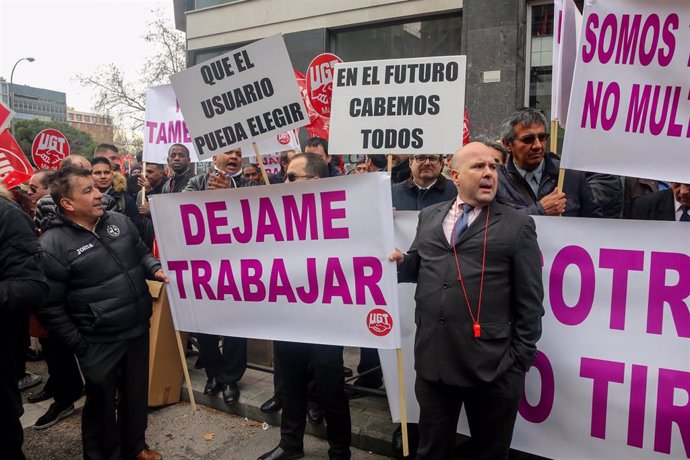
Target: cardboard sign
[
  {"x": 49, "y": 148},
  {"x": 164, "y": 126},
  {"x": 240, "y": 97},
  {"x": 15, "y": 168},
  {"x": 629, "y": 112},
  {"x": 302, "y": 262},
  {"x": 320, "y": 82},
  {"x": 276, "y": 143},
  {"x": 5, "y": 116},
  {"x": 271, "y": 163},
  {"x": 566, "y": 38},
  {"x": 398, "y": 105},
  {"x": 612, "y": 375}
]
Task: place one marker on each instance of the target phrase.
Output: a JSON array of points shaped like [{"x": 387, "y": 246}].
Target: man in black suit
[
  {"x": 670, "y": 204},
  {"x": 479, "y": 308}
]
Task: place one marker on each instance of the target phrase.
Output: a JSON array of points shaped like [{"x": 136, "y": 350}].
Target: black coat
[
  {"x": 655, "y": 206},
  {"x": 408, "y": 197},
  {"x": 445, "y": 347},
  {"x": 200, "y": 182},
  {"x": 98, "y": 290}
]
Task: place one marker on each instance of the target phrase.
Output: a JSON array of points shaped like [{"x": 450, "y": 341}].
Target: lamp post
[{"x": 11, "y": 92}]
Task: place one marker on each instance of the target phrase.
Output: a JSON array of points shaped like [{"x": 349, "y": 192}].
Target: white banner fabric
[
  {"x": 164, "y": 126},
  {"x": 612, "y": 376},
  {"x": 275, "y": 144},
  {"x": 302, "y": 262},
  {"x": 629, "y": 111},
  {"x": 240, "y": 97},
  {"x": 566, "y": 37},
  {"x": 398, "y": 105}
]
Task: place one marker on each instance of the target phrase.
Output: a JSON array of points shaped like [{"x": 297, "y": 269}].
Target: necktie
[
  {"x": 532, "y": 182},
  {"x": 461, "y": 223},
  {"x": 684, "y": 216}
]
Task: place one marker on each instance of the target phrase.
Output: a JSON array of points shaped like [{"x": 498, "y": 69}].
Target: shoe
[
  {"x": 212, "y": 386},
  {"x": 149, "y": 454},
  {"x": 29, "y": 381},
  {"x": 315, "y": 415},
  {"x": 272, "y": 405},
  {"x": 231, "y": 393},
  {"x": 54, "y": 414},
  {"x": 281, "y": 454},
  {"x": 42, "y": 395},
  {"x": 347, "y": 372}
]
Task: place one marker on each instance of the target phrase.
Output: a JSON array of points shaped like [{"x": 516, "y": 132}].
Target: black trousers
[
  {"x": 115, "y": 413},
  {"x": 326, "y": 361},
  {"x": 22, "y": 341},
  {"x": 11, "y": 433},
  {"x": 369, "y": 359},
  {"x": 64, "y": 379},
  {"x": 491, "y": 411},
  {"x": 228, "y": 366}
]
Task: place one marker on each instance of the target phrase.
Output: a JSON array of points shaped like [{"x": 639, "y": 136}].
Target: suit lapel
[
  {"x": 479, "y": 223},
  {"x": 437, "y": 225}
]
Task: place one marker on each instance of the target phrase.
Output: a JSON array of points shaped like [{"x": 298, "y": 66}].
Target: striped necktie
[{"x": 461, "y": 223}]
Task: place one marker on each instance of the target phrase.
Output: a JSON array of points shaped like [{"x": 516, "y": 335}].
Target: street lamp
[{"x": 11, "y": 92}]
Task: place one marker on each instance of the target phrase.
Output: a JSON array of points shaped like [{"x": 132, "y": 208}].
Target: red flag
[
  {"x": 465, "y": 129},
  {"x": 15, "y": 168},
  {"x": 5, "y": 116},
  {"x": 318, "y": 126}
]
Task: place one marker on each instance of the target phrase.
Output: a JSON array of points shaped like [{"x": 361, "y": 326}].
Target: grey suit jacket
[{"x": 445, "y": 347}]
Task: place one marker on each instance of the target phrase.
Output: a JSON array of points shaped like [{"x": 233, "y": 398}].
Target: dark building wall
[
  {"x": 304, "y": 46},
  {"x": 493, "y": 39}
]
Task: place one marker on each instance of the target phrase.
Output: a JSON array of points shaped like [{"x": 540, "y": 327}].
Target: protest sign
[
  {"x": 164, "y": 126},
  {"x": 242, "y": 96},
  {"x": 15, "y": 168},
  {"x": 276, "y": 143},
  {"x": 320, "y": 82},
  {"x": 5, "y": 116},
  {"x": 49, "y": 148},
  {"x": 629, "y": 111},
  {"x": 398, "y": 105},
  {"x": 318, "y": 126},
  {"x": 302, "y": 262},
  {"x": 566, "y": 37},
  {"x": 612, "y": 376}
]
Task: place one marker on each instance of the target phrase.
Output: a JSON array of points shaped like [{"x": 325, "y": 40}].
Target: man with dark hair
[
  {"x": 293, "y": 361},
  {"x": 113, "y": 184},
  {"x": 99, "y": 306},
  {"x": 425, "y": 187},
  {"x": 530, "y": 176},
  {"x": 470, "y": 350},
  {"x": 672, "y": 204},
  {"x": 39, "y": 186},
  {"x": 319, "y": 146},
  {"x": 180, "y": 163},
  {"x": 110, "y": 152},
  {"x": 22, "y": 286}
]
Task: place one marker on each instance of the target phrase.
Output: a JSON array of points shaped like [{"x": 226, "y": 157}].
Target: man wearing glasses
[
  {"x": 426, "y": 185},
  {"x": 529, "y": 179}
]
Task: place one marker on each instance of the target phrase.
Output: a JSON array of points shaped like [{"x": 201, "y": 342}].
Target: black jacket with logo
[{"x": 98, "y": 290}]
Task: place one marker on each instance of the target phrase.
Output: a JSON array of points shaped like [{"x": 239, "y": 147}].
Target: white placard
[
  {"x": 566, "y": 37},
  {"x": 612, "y": 375},
  {"x": 398, "y": 106},
  {"x": 274, "y": 144},
  {"x": 241, "y": 96},
  {"x": 164, "y": 126},
  {"x": 629, "y": 111},
  {"x": 302, "y": 262}
]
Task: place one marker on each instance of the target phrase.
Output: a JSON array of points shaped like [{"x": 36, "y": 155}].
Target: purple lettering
[
  {"x": 621, "y": 261},
  {"x": 297, "y": 221},
  {"x": 312, "y": 294},
  {"x": 589, "y": 49},
  {"x": 246, "y": 235},
  {"x": 151, "y": 125},
  {"x": 217, "y": 221},
  {"x": 669, "y": 38},
  {"x": 267, "y": 221},
  {"x": 335, "y": 284},
  {"x": 201, "y": 279},
  {"x": 627, "y": 39},
  {"x": 178, "y": 267},
  {"x": 188, "y": 211},
  {"x": 667, "y": 413},
  {"x": 226, "y": 282},
  {"x": 279, "y": 283},
  {"x": 610, "y": 24},
  {"x": 601, "y": 372},
  {"x": 541, "y": 411},
  {"x": 572, "y": 255},
  {"x": 674, "y": 295},
  {"x": 364, "y": 281},
  {"x": 251, "y": 271},
  {"x": 638, "y": 108},
  {"x": 651, "y": 23},
  {"x": 638, "y": 398},
  {"x": 329, "y": 214}
]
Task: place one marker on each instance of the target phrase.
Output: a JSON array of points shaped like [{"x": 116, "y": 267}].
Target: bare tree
[{"x": 125, "y": 100}]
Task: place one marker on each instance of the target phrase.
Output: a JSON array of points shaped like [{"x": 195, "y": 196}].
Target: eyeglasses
[
  {"x": 434, "y": 160},
  {"x": 530, "y": 138},
  {"x": 292, "y": 177}
]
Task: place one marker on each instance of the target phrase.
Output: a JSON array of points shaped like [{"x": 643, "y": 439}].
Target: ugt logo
[{"x": 379, "y": 322}]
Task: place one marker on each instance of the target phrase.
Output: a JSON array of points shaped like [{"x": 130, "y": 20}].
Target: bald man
[{"x": 479, "y": 307}]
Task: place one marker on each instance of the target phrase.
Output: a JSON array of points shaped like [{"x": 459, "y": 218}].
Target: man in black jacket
[
  {"x": 99, "y": 306},
  {"x": 22, "y": 286},
  {"x": 425, "y": 187},
  {"x": 671, "y": 204},
  {"x": 180, "y": 163},
  {"x": 528, "y": 180}
]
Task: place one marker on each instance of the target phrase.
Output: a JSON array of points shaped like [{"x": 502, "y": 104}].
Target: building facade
[
  {"x": 507, "y": 42},
  {"x": 30, "y": 103},
  {"x": 100, "y": 127}
]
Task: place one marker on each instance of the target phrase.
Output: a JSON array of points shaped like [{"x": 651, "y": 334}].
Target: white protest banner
[
  {"x": 297, "y": 262},
  {"x": 276, "y": 143},
  {"x": 612, "y": 376},
  {"x": 566, "y": 37},
  {"x": 271, "y": 163},
  {"x": 629, "y": 110},
  {"x": 164, "y": 125},
  {"x": 242, "y": 96},
  {"x": 398, "y": 105}
]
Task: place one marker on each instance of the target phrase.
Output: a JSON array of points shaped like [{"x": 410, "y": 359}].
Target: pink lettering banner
[
  {"x": 304, "y": 262},
  {"x": 612, "y": 375},
  {"x": 629, "y": 111}
]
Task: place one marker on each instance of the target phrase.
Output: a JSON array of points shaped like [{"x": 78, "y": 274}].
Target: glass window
[
  {"x": 79, "y": 118},
  {"x": 540, "y": 43},
  {"x": 439, "y": 36}
]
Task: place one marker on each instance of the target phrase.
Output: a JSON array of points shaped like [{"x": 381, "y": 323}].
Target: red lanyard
[{"x": 476, "y": 327}]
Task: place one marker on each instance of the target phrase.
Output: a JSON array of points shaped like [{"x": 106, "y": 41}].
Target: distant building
[
  {"x": 100, "y": 127},
  {"x": 34, "y": 103}
]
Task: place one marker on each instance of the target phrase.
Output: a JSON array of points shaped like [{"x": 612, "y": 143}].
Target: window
[
  {"x": 539, "y": 45},
  {"x": 79, "y": 118},
  {"x": 438, "y": 36}
]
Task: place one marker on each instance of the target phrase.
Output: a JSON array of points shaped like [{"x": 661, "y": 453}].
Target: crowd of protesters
[{"x": 75, "y": 250}]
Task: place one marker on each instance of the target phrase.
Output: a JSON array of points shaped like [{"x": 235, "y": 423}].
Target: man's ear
[
  {"x": 507, "y": 146},
  {"x": 66, "y": 204}
]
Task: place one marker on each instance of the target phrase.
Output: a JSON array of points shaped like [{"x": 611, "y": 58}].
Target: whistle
[{"x": 477, "y": 329}]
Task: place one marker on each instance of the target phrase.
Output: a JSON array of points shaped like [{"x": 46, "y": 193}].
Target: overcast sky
[{"x": 67, "y": 37}]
